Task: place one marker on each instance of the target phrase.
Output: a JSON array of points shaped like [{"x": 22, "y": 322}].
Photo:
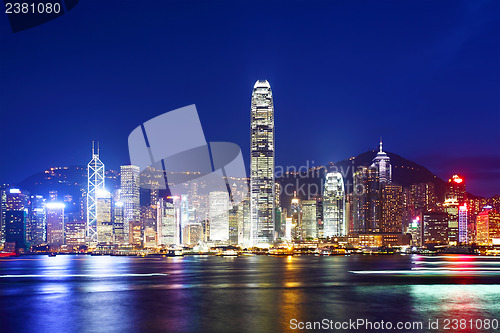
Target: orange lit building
[{"x": 488, "y": 227}]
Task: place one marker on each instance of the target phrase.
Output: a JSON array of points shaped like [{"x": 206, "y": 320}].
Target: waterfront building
[
  {"x": 435, "y": 228},
  {"x": 392, "y": 209},
  {"x": 366, "y": 201},
  {"x": 415, "y": 230},
  {"x": 262, "y": 178},
  {"x": 244, "y": 223},
  {"x": 382, "y": 163},
  {"x": 456, "y": 189},
  {"x": 118, "y": 224},
  {"x": 15, "y": 217},
  {"x": 296, "y": 215},
  {"x": 95, "y": 183},
  {"x": 36, "y": 227},
  {"x": 218, "y": 215},
  {"x": 75, "y": 234},
  {"x": 55, "y": 224},
  {"x": 450, "y": 206},
  {"x": 233, "y": 225},
  {"x": 418, "y": 199},
  {"x": 130, "y": 196},
  {"x": 309, "y": 222},
  {"x": 488, "y": 227},
  {"x": 334, "y": 219},
  {"x": 168, "y": 228},
  {"x": 462, "y": 224},
  {"x": 103, "y": 218}
]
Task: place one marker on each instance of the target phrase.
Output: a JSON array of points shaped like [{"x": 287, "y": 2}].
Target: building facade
[
  {"x": 334, "y": 218},
  {"x": 262, "y": 178},
  {"x": 130, "y": 196}
]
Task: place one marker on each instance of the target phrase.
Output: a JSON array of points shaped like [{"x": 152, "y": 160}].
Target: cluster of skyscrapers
[{"x": 140, "y": 214}]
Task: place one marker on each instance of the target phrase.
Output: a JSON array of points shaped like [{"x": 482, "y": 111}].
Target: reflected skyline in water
[{"x": 245, "y": 294}]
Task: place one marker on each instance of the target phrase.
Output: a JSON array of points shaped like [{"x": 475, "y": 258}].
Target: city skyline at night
[
  {"x": 424, "y": 77},
  {"x": 249, "y": 166},
  {"x": 372, "y": 208}
]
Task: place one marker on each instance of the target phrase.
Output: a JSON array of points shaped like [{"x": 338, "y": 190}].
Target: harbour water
[{"x": 70, "y": 293}]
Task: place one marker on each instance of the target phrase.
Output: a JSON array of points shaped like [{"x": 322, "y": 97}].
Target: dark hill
[{"x": 404, "y": 172}]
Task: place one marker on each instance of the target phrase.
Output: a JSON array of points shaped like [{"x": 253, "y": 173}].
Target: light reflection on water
[{"x": 245, "y": 294}]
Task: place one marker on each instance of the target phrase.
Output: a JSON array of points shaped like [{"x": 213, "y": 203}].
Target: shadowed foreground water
[{"x": 242, "y": 294}]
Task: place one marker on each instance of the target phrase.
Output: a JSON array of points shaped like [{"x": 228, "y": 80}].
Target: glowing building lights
[
  {"x": 262, "y": 180},
  {"x": 95, "y": 178}
]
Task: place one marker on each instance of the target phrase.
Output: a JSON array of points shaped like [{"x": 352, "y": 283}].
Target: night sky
[{"x": 424, "y": 75}]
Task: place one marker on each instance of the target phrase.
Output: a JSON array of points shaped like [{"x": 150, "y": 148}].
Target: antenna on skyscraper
[{"x": 94, "y": 148}]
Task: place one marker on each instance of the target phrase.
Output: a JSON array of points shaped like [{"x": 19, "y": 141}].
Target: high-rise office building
[
  {"x": 415, "y": 230},
  {"x": 419, "y": 199},
  {"x": 95, "y": 183},
  {"x": 359, "y": 201},
  {"x": 103, "y": 217},
  {"x": 462, "y": 224},
  {"x": 392, "y": 209},
  {"x": 75, "y": 233},
  {"x": 456, "y": 189},
  {"x": 55, "y": 224},
  {"x": 296, "y": 215},
  {"x": 334, "y": 221},
  {"x": 450, "y": 206},
  {"x": 383, "y": 164},
  {"x": 184, "y": 215},
  {"x": 15, "y": 218},
  {"x": 233, "y": 225},
  {"x": 3, "y": 201},
  {"x": 319, "y": 215},
  {"x": 130, "y": 196},
  {"x": 435, "y": 228},
  {"x": 118, "y": 224},
  {"x": 309, "y": 222},
  {"x": 168, "y": 228},
  {"x": 366, "y": 207},
  {"x": 36, "y": 229},
  {"x": 243, "y": 217},
  {"x": 488, "y": 227},
  {"x": 218, "y": 215},
  {"x": 262, "y": 180}
]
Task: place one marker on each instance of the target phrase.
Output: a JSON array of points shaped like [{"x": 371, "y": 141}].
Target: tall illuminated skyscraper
[
  {"x": 55, "y": 224},
  {"x": 95, "y": 177},
  {"x": 262, "y": 184},
  {"x": 334, "y": 221},
  {"x": 104, "y": 219},
  {"x": 218, "y": 215},
  {"x": 15, "y": 217},
  {"x": 456, "y": 188},
  {"x": 130, "y": 196},
  {"x": 462, "y": 224},
  {"x": 392, "y": 209},
  {"x": 168, "y": 229},
  {"x": 36, "y": 228},
  {"x": 383, "y": 164},
  {"x": 309, "y": 219},
  {"x": 488, "y": 227}
]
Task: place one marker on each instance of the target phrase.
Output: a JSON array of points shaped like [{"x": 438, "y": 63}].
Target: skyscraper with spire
[
  {"x": 383, "y": 164},
  {"x": 262, "y": 187},
  {"x": 95, "y": 183}
]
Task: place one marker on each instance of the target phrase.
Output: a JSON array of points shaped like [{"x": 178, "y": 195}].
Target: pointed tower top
[
  {"x": 380, "y": 144},
  {"x": 94, "y": 153}
]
